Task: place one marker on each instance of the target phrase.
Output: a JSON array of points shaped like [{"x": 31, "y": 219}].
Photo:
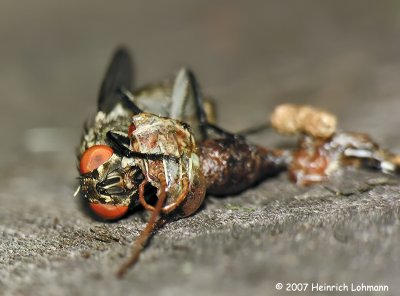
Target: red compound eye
[
  {"x": 94, "y": 157},
  {"x": 108, "y": 212}
]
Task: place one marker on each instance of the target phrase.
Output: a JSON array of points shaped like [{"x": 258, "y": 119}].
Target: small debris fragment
[{"x": 293, "y": 119}]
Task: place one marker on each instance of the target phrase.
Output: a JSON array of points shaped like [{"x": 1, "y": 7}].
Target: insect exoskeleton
[
  {"x": 178, "y": 172},
  {"x": 106, "y": 186}
]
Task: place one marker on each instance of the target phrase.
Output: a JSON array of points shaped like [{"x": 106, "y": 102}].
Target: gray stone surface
[{"x": 340, "y": 55}]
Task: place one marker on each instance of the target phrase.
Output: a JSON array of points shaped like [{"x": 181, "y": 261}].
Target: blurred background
[
  {"x": 343, "y": 56},
  {"x": 249, "y": 56}
]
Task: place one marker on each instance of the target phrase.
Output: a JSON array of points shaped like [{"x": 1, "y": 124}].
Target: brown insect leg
[
  {"x": 142, "y": 200},
  {"x": 146, "y": 232},
  {"x": 169, "y": 208}
]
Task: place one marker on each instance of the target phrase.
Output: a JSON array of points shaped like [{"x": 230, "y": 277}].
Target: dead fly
[
  {"x": 127, "y": 155},
  {"x": 108, "y": 184},
  {"x": 158, "y": 147}
]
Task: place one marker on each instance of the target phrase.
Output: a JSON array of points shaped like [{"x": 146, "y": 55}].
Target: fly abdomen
[{"x": 231, "y": 165}]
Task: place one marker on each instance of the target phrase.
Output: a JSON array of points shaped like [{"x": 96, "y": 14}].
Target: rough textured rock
[{"x": 340, "y": 56}]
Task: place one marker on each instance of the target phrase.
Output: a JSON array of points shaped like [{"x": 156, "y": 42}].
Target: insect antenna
[{"x": 146, "y": 233}]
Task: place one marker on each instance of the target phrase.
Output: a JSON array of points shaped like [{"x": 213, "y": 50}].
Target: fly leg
[
  {"x": 182, "y": 196},
  {"x": 142, "y": 198},
  {"x": 198, "y": 99},
  {"x": 146, "y": 232},
  {"x": 168, "y": 208},
  {"x": 316, "y": 159},
  {"x": 187, "y": 103},
  {"x": 208, "y": 129},
  {"x": 205, "y": 126},
  {"x": 127, "y": 99},
  {"x": 360, "y": 147},
  {"x": 120, "y": 144}
]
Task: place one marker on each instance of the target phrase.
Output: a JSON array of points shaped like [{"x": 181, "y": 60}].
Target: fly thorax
[
  {"x": 151, "y": 134},
  {"x": 96, "y": 130}
]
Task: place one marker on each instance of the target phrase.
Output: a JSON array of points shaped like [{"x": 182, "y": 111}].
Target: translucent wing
[
  {"x": 119, "y": 75},
  {"x": 187, "y": 102}
]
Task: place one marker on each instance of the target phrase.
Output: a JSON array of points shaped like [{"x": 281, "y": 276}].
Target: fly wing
[
  {"x": 119, "y": 75},
  {"x": 187, "y": 102}
]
